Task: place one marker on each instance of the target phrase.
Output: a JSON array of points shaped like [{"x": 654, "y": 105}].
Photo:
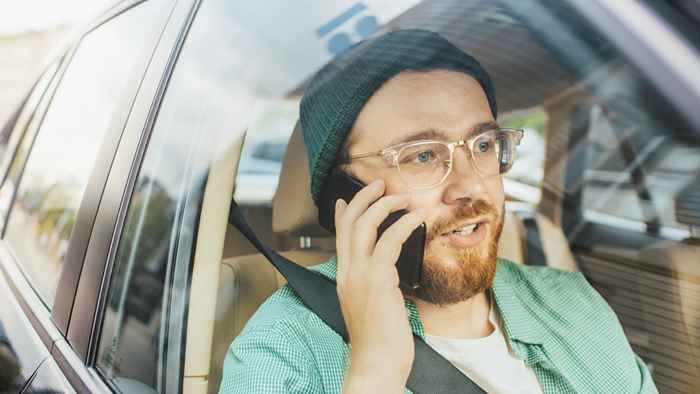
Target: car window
[
  {"x": 143, "y": 329},
  {"x": 11, "y": 145},
  {"x": 149, "y": 272},
  {"x": 261, "y": 158},
  {"x": 15, "y": 126},
  {"x": 522, "y": 182},
  {"x": 615, "y": 142},
  {"x": 637, "y": 161},
  {"x": 57, "y": 170}
]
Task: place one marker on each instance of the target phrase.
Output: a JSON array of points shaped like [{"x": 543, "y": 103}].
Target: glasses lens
[
  {"x": 423, "y": 164},
  {"x": 485, "y": 151},
  {"x": 494, "y": 152}
]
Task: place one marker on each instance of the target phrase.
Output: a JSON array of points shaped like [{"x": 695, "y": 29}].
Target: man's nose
[{"x": 464, "y": 184}]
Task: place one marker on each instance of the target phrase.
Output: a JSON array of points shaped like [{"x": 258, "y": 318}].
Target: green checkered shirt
[{"x": 554, "y": 321}]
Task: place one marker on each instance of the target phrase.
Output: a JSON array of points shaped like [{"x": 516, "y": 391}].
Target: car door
[
  {"x": 16, "y": 330},
  {"x": 126, "y": 321},
  {"x": 55, "y": 177}
]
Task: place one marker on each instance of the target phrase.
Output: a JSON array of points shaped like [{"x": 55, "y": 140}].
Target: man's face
[{"x": 450, "y": 106}]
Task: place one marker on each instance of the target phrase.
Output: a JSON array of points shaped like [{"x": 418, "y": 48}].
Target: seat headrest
[{"x": 293, "y": 210}]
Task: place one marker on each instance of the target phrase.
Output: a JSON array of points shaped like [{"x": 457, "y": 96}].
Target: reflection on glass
[
  {"x": 9, "y": 141},
  {"x": 11, "y": 376},
  {"x": 130, "y": 345},
  {"x": 261, "y": 158},
  {"x": 637, "y": 160},
  {"x": 141, "y": 344},
  {"x": 89, "y": 98}
]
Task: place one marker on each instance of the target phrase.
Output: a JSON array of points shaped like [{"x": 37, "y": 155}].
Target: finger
[
  {"x": 359, "y": 204},
  {"x": 364, "y": 234},
  {"x": 342, "y": 242},
  {"x": 389, "y": 245}
]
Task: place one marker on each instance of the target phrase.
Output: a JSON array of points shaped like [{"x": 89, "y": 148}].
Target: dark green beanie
[{"x": 337, "y": 93}]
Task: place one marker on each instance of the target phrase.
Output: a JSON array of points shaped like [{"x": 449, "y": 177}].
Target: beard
[{"x": 471, "y": 270}]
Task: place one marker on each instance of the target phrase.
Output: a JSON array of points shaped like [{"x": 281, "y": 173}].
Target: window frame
[
  {"x": 61, "y": 309},
  {"x": 53, "y": 326},
  {"x": 87, "y": 211},
  {"x": 24, "y": 293},
  {"x": 93, "y": 289},
  {"x": 89, "y": 302}
]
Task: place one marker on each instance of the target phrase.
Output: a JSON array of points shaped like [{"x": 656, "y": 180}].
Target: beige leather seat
[{"x": 246, "y": 281}]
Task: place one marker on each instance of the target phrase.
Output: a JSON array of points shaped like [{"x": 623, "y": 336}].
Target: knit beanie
[{"x": 336, "y": 94}]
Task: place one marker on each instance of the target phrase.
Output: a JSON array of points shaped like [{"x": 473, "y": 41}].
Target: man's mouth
[
  {"x": 466, "y": 228},
  {"x": 468, "y": 234}
]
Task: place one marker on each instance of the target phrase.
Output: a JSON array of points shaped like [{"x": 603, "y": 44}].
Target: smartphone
[{"x": 343, "y": 185}]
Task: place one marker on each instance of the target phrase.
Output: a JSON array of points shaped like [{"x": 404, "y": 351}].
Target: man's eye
[
  {"x": 484, "y": 146},
  {"x": 419, "y": 157},
  {"x": 424, "y": 157}
]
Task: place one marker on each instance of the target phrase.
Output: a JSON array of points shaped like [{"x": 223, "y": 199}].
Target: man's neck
[{"x": 464, "y": 320}]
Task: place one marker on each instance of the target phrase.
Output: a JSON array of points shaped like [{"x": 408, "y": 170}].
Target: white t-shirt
[{"x": 488, "y": 361}]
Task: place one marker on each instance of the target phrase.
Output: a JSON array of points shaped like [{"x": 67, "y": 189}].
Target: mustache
[{"x": 478, "y": 208}]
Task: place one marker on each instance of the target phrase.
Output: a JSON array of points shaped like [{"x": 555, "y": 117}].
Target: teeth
[{"x": 466, "y": 230}]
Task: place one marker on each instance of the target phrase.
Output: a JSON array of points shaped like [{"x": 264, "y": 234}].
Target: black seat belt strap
[
  {"x": 430, "y": 373},
  {"x": 314, "y": 289}
]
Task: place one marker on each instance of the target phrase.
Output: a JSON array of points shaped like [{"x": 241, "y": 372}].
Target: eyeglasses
[{"x": 425, "y": 164}]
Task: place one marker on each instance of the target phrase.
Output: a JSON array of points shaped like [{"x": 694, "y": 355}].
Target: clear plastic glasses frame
[{"x": 425, "y": 164}]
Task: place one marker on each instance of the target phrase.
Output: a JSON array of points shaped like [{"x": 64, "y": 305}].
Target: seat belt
[
  {"x": 430, "y": 372},
  {"x": 534, "y": 250}
]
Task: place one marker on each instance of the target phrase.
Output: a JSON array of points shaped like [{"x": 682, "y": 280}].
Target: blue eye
[
  {"x": 483, "y": 146},
  {"x": 425, "y": 156}
]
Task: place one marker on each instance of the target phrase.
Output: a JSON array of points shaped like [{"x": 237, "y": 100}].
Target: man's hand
[{"x": 368, "y": 288}]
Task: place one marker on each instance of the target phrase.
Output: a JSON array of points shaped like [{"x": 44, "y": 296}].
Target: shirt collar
[{"x": 508, "y": 288}]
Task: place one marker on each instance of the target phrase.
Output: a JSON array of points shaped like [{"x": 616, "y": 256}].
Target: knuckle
[{"x": 395, "y": 201}]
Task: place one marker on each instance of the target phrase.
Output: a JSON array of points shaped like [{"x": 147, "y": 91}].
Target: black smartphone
[{"x": 343, "y": 185}]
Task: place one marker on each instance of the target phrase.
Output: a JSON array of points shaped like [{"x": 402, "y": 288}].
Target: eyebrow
[{"x": 440, "y": 135}]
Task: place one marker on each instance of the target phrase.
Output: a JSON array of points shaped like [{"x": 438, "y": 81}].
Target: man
[{"x": 414, "y": 118}]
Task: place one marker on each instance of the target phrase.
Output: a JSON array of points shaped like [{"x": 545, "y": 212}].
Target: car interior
[
  {"x": 230, "y": 279},
  {"x": 607, "y": 182},
  {"x": 246, "y": 278}
]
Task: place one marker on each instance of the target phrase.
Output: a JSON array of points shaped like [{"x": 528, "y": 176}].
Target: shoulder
[
  {"x": 555, "y": 286},
  {"x": 538, "y": 275},
  {"x": 564, "y": 302},
  {"x": 561, "y": 310},
  {"x": 284, "y": 311},
  {"x": 275, "y": 351},
  {"x": 270, "y": 357}
]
